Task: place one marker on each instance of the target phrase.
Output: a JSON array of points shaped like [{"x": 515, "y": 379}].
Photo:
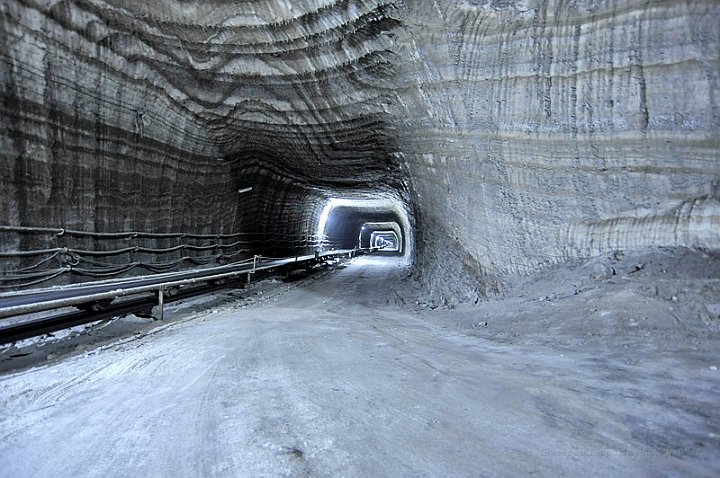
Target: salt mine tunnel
[{"x": 359, "y": 238}]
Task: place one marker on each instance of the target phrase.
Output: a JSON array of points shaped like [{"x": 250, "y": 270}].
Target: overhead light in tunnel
[{"x": 244, "y": 190}]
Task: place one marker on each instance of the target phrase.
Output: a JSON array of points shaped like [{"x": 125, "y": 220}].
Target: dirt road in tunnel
[{"x": 338, "y": 378}]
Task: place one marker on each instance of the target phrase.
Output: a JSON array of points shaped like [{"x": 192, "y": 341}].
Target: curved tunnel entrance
[
  {"x": 386, "y": 235},
  {"x": 351, "y": 223},
  {"x": 388, "y": 241}
]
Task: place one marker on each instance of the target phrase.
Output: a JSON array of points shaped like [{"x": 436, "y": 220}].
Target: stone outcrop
[{"x": 519, "y": 133}]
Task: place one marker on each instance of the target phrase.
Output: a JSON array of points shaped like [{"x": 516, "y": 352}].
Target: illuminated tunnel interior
[
  {"x": 349, "y": 227},
  {"x": 389, "y": 235},
  {"x": 387, "y": 240},
  {"x": 349, "y": 223}
]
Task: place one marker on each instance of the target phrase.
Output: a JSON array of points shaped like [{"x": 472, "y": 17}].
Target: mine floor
[{"x": 335, "y": 376}]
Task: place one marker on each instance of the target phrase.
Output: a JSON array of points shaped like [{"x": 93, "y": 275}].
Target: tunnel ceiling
[
  {"x": 299, "y": 85},
  {"x": 519, "y": 133}
]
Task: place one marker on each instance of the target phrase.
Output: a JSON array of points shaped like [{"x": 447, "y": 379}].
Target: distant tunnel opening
[
  {"x": 386, "y": 236},
  {"x": 350, "y": 223},
  {"x": 388, "y": 241}
]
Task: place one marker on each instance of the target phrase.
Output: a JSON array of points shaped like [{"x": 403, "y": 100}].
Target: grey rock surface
[{"x": 517, "y": 134}]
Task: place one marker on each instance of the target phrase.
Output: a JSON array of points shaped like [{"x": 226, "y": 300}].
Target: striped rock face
[{"x": 507, "y": 134}]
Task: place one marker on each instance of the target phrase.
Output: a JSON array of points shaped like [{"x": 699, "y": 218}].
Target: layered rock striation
[
  {"x": 557, "y": 129},
  {"x": 129, "y": 116},
  {"x": 517, "y": 133}
]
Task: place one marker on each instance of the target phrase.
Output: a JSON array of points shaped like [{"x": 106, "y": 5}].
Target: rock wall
[
  {"x": 92, "y": 140},
  {"x": 520, "y": 132},
  {"x": 547, "y": 130},
  {"x": 123, "y": 115}
]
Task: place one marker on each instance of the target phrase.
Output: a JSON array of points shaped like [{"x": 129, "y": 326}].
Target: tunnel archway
[
  {"x": 387, "y": 241},
  {"x": 371, "y": 229},
  {"x": 342, "y": 220}
]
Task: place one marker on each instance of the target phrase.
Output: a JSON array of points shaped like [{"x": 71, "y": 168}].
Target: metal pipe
[{"x": 125, "y": 287}]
